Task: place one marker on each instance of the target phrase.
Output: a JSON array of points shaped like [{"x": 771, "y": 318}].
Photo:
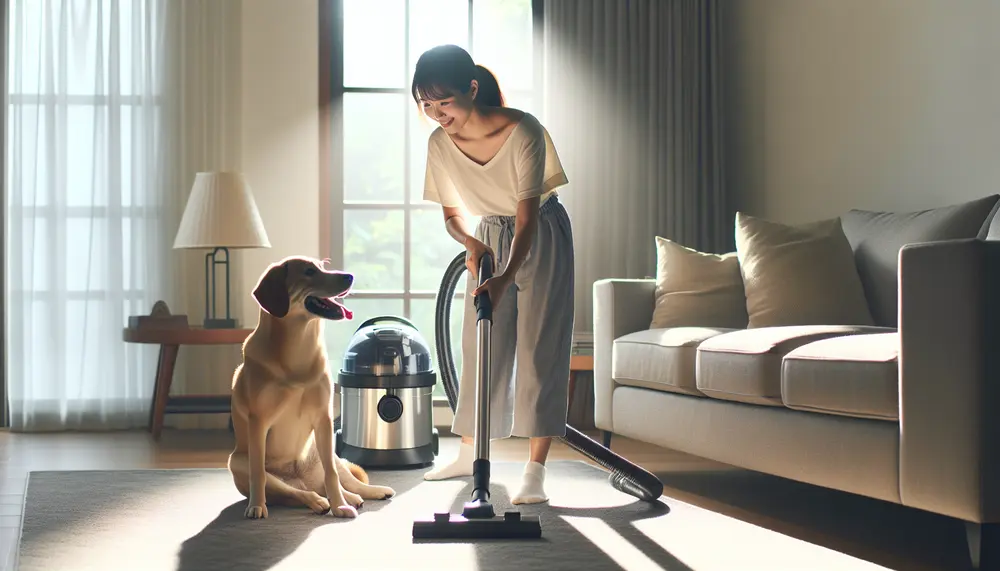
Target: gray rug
[{"x": 188, "y": 520}]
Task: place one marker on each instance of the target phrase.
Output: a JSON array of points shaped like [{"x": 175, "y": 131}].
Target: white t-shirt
[{"x": 526, "y": 166}]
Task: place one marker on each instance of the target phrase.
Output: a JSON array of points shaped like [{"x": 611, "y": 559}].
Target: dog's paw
[
  {"x": 386, "y": 492},
  {"x": 344, "y": 511},
  {"x": 353, "y": 499},
  {"x": 256, "y": 512},
  {"x": 316, "y": 502}
]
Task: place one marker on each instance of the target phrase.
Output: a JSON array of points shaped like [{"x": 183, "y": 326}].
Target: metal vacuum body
[{"x": 386, "y": 402}]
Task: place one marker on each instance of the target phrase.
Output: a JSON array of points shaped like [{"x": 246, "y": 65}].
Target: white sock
[
  {"x": 532, "y": 485},
  {"x": 460, "y": 466}
]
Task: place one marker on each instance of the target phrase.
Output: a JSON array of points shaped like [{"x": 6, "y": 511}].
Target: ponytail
[{"x": 489, "y": 94}]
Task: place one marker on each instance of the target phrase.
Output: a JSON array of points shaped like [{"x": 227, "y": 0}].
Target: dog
[{"x": 283, "y": 398}]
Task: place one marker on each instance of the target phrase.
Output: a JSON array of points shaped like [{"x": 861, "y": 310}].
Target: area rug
[{"x": 192, "y": 520}]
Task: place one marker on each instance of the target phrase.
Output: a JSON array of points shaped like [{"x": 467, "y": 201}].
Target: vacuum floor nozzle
[{"x": 511, "y": 525}]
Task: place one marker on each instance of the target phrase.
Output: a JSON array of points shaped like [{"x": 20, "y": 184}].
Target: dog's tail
[{"x": 357, "y": 471}]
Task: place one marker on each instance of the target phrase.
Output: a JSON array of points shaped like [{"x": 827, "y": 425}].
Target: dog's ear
[{"x": 271, "y": 292}]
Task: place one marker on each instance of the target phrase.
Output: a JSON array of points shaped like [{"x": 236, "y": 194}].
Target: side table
[
  {"x": 170, "y": 339},
  {"x": 578, "y": 364}
]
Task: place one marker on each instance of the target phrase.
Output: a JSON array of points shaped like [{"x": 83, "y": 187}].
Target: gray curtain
[{"x": 632, "y": 100}]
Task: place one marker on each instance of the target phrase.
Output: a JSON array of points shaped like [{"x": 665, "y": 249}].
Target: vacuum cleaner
[
  {"x": 386, "y": 397},
  {"x": 478, "y": 519}
]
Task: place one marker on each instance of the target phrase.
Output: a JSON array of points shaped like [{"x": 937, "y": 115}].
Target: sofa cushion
[
  {"x": 854, "y": 376},
  {"x": 876, "y": 238},
  {"x": 745, "y": 366},
  {"x": 697, "y": 289},
  {"x": 660, "y": 359},
  {"x": 799, "y": 275}
]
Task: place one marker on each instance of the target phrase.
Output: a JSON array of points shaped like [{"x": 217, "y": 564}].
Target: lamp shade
[{"x": 221, "y": 212}]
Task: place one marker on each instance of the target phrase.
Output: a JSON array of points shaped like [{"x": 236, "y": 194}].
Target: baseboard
[
  {"x": 443, "y": 417},
  {"x": 445, "y": 432}
]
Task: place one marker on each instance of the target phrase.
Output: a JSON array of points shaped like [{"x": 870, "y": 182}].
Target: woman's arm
[
  {"x": 530, "y": 185},
  {"x": 457, "y": 226},
  {"x": 525, "y": 225}
]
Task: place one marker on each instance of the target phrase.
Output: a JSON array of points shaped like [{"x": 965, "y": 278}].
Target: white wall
[
  {"x": 884, "y": 104},
  {"x": 280, "y": 132},
  {"x": 271, "y": 133},
  {"x": 204, "y": 82}
]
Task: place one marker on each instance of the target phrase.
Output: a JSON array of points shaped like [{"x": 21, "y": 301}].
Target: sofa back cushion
[
  {"x": 799, "y": 275},
  {"x": 876, "y": 238}
]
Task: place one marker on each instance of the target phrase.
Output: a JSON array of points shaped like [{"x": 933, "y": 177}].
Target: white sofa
[{"x": 904, "y": 409}]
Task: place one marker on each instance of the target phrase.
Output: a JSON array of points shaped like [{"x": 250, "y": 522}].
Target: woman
[{"x": 499, "y": 163}]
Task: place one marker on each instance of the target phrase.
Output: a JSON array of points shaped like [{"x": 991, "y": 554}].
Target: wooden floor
[{"x": 885, "y": 534}]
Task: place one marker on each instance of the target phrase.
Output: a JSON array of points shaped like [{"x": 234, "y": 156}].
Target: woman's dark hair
[{"x": 447, "y": 68}]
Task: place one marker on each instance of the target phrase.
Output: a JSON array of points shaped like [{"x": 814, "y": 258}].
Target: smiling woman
[{"x": 375, "y": 220}]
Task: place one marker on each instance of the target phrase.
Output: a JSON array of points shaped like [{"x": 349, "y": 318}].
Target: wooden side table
[
  {"x": 578, "y": 364},
  {"x": 170, "y": 339}
]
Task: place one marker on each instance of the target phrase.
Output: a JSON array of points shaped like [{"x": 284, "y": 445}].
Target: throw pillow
[
  {"x": 799, "y": 275},
  {"x": 696, "y": 289}
]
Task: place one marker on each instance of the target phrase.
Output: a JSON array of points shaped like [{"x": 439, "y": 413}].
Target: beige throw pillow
[
  {"x": 799, "y": 275},
  {"x": 695, "y": 289}
]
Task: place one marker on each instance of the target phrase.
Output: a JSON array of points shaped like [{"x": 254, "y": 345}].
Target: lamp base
[{"x": 212, "y": 323}]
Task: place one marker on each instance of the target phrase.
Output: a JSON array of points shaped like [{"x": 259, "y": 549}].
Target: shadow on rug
[{"x": 263, "y": 548}]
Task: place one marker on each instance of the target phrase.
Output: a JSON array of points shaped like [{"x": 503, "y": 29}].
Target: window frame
[{"x": 332, "y": 203}]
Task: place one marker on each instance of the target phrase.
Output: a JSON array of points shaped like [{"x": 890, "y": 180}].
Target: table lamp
[{"x": 220, "y": 214}]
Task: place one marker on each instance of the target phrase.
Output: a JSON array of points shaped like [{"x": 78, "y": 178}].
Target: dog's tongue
[{"x": 348, "y": 314}]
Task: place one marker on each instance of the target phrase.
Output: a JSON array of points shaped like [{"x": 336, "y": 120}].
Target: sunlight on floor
[
  {"x": 356, "y": 548},
  {"x": 613, "y": 544}
]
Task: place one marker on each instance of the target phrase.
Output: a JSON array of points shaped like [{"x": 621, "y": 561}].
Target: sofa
[{"x": 857, "y": 353}]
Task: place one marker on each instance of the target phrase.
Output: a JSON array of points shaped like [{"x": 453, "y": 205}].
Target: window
[{"x": 378, "y": 225}]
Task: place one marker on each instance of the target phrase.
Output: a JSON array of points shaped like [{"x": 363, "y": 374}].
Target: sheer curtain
[
  {"x": 632, "y": 100},
  {"x": 87, "y": 239}
]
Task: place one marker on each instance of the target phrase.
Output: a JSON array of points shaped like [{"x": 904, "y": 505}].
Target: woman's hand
[
  {"x": 494, "y": 287},
  {"x": 474, "y": 250}
]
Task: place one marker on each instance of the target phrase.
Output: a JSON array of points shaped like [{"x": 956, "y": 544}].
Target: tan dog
[{"x": 282, "y": 403}]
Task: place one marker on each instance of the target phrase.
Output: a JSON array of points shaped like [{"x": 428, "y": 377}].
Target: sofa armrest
[
  {"x": 949, "y": 325},
  {"x": 621, "y": 306}
]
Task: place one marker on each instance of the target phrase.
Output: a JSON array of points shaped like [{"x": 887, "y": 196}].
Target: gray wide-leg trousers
[{"x": 532, "y": 333}]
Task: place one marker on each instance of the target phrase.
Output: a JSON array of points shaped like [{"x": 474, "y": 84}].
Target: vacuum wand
[
  {"x": 480, "y": 506},
  {"x": 478, "y": 519}
]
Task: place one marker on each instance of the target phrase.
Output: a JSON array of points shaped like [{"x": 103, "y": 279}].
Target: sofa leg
[
  {"x": 606, "y": 438},
  {"x": 984, "y": 545}
]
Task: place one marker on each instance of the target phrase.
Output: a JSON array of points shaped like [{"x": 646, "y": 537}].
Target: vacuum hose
[{"x": 625, "y": 476}]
